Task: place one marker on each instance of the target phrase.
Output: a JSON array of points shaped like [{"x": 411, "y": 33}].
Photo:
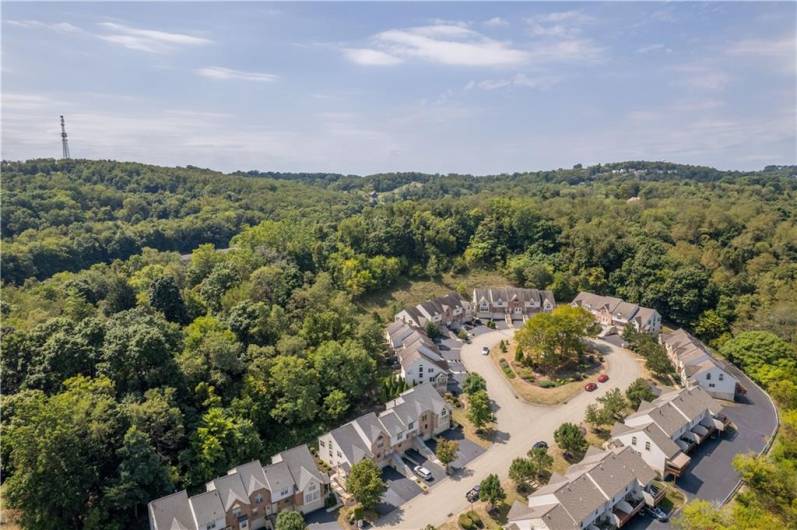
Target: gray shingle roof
[
  {"x": 350, "y": 443},
  {"x": 171, "y": 512},
  {"x": 280, "y": 479},
  {"x": 231, "y": 490},
  {"x": 252, "y": 476},
  {"x": 207, "y": 507},
  {"x": 302, "y": 466}
]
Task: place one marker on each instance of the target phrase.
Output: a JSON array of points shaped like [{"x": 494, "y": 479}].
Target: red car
[
  {"x": 589, "y": 387},
  {"x": 603, "y": 378}
]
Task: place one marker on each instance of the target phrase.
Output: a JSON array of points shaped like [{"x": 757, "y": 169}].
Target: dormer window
[{"x": 258, "y": 499}]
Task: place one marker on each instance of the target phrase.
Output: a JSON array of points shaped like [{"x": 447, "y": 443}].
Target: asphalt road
[{"x": 519, "y": 425}]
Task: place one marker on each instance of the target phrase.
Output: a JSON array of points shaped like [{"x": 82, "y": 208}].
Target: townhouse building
[
  {"x": 510, "y": 303},
  {"x": 610, "y": 311},
  {"x": 418, "y": 356},
  {"x": 605, "y": 488},
  {"x": 665, "y": 430},
  {"x": 248, "y": 497},
  {"x": 448, "y": 310},
  {"x": 416, "y": 415},
  {"x": 696, "y": 366}
]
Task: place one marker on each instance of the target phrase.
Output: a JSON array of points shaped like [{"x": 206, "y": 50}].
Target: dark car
[
  {"x": 473, "y": 494},
  {"x": 540, "y": 445},
  {"x": 603, "y": 378},
  {"x": 589, "y": 387},
  {"x": 658, "y": 514}
]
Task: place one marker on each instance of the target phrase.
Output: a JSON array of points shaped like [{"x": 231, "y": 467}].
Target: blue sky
[{"x": 366, "y": 87}]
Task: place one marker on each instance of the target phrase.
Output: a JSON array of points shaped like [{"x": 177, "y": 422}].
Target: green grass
[{"x": 408, "y": 292}]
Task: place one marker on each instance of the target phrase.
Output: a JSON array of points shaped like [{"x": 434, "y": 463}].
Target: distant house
[
  {"x": 510, "y": 303},
  {"x": 607, "y": 488},
  {"x": 415, "y": 416},
  {"x": 447, "y": 310},
  {"x": 664, "y": 430},
  {"x": 697, "y": 367},
  {"x": 610, "y": 311},
  {"x": 249, "y": 496},
  {"x": 418, "y": 355}
]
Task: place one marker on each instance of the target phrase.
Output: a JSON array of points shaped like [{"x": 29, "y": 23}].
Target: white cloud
[
  {"x": 700, "y": 77},
  {"x": 783, "y": 50},
  {"x": 654, "y": 48},
  {"x": 147, "y": 40},
  {"x": 222, "y": 73},
  {"x": 370, "y": 57},
  {"x": 496, "y": 22},
  {"x": 440, "y": 43},
  {"x": 558, "y": 24},
  {"x": 64, "y": 27},
  {"x": 518, "y": 80}
]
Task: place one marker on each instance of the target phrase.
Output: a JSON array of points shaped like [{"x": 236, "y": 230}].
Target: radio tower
[{"x": 64, "y": 142}]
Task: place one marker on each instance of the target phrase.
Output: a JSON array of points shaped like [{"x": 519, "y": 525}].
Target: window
[
  {"x": 443, "y": 412},
  {"x": 711, "y": 385},
  {"x": 721, "y": 377},
  {"x": 236, "y": 511},
  {"x": 633, "y": 440},
  {"x": 211, "y": 525},
  {"x": 258, "y": 499},
  {"x": 322, "y": 443},
  {"x": 340, "y": 455},
  {"x": 430, "y": 370},
  {"x": 647, "y": 446},
  {"x": 284, "y": 492},
  {"x": 411, "y": 424},
  {"x": 708, "y": 376}
]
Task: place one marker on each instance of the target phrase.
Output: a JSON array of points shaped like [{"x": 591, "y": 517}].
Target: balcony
[
  {"x": 626, "y": 509},
  {"x": 676, "y": 465},
  {"x": 652, "y": 495}
]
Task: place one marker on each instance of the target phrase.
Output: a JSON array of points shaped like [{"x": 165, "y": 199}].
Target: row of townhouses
[
  {"x": 418, "y": 356},
  {"x": 665, "y": 430},
  {"x": 605, "y": 488},
  {"x": 697, "y": 367},
  {"x": 511, "y": 303},
  {"x": 249, "y": 496},
  {"x": 418, "y": 414},
  {"x": 610, "y": 311}
]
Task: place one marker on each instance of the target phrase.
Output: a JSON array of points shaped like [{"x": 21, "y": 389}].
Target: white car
[
  {"x": 423, "y": 472},
  {"x": 485, "y": 350}
]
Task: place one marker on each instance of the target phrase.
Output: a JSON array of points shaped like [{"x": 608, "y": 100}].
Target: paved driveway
[
  {"x": 467, "y": 449},
  {"x": 400, "y": 489},
  {"x": 710, "y": 475},
  {"x": 519, "y": 424}
]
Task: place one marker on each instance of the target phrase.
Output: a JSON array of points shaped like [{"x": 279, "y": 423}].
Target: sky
[{"x": 360, "y": 88}]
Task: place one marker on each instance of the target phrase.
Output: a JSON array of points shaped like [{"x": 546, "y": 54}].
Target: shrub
[
  {"x": 465, "y": 522},
  {"x": 475, "y": 519},
  {"x": 547, "y": 384},
  {"x": 506, "y": 368}
]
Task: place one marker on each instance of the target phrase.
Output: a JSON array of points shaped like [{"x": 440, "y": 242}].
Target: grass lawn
[
  {"x": 533, "y": 393},
  {"x": 408, "y": 292},
  {"x": 460, "y": 415}
]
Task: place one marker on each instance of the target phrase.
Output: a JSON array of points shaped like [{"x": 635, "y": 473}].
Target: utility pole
[{"x": 64, "y": 142}]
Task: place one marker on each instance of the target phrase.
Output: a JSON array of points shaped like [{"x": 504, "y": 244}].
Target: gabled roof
[
  {"x": 231, "y": 490},
  {"x": 369, "y": 427},
  {"x": 171, "y": 512},
  {"x": 508, "y": 294},
  {"x": 415, "y": 401},
  {"x": 252, "y": 476},
  {"x": 350, "y": 443},
  {"x": 206, "y": 507},
  {"x": 302, "y": 466},
  {"x": 691, "y": 353},
  {"x": 279, "y": 478}
]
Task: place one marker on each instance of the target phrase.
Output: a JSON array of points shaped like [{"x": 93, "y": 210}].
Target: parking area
[
  {"x": 710, "y": 475},
  {"x": 413, "y": 458},
  {"x": 467, "y": 449},
  {"x": 322, "y": 520},
  {"x": 400, "y": 489}
]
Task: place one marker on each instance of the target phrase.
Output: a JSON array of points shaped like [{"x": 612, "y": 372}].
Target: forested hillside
[{"x": 128, "y": 371}]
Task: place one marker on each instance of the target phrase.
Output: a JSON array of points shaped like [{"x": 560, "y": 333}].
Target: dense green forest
[{"x": 129, "y": 370}]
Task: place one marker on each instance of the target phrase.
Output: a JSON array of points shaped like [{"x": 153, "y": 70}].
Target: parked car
[
  {"x": 603, "y": 378},
  {"x": 540, "y": 445},
  {"x": 423, "y": 473},
  {"x": 589, "y": 387},
  {"x": 485, "y": 350},
  {"x": 473, "y": 494},
  {"x": 658, "y": 514}
]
